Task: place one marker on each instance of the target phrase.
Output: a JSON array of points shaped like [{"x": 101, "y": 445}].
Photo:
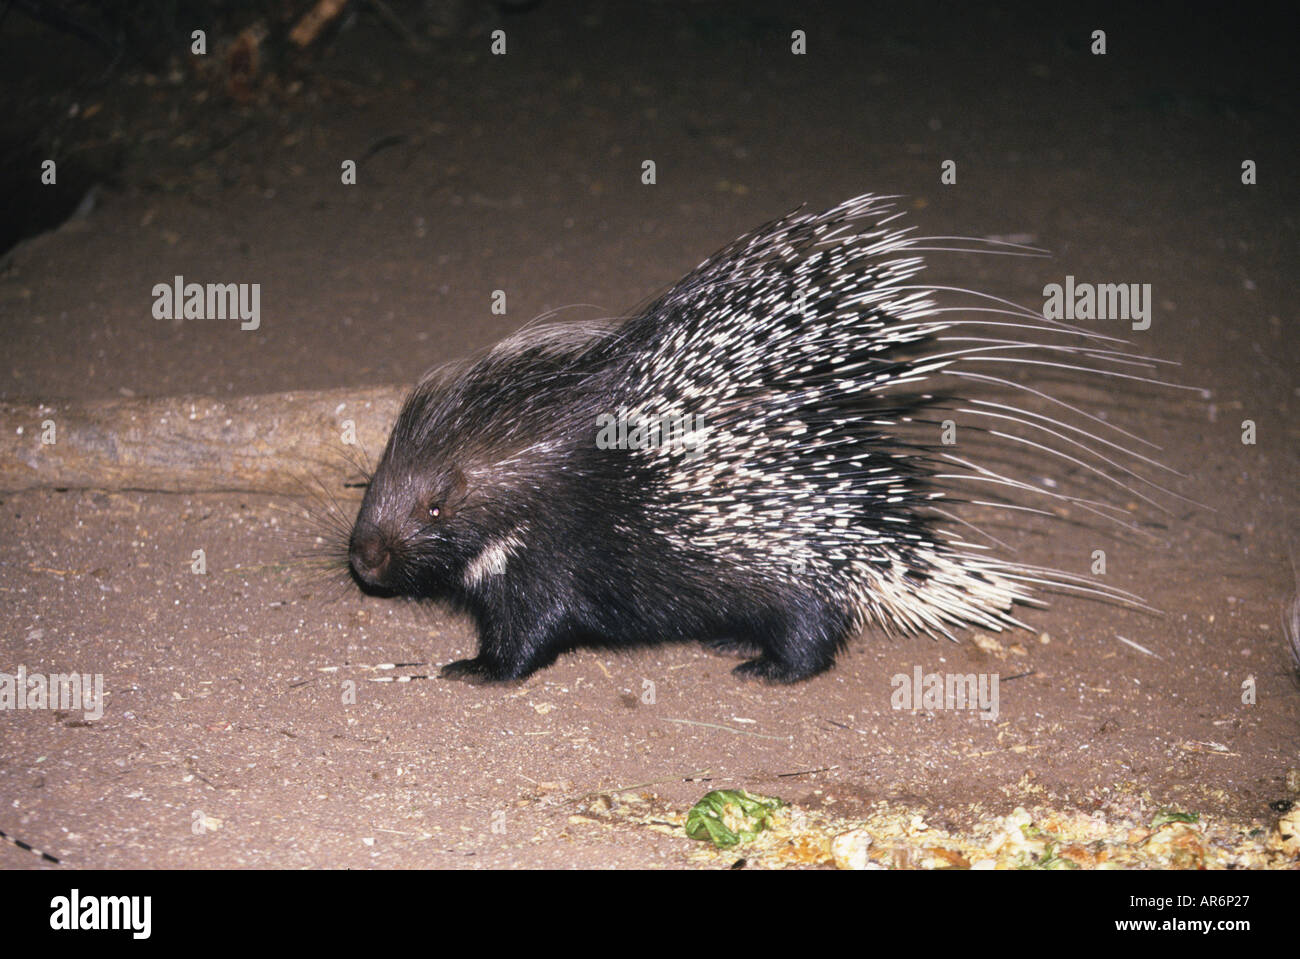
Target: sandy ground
[{"x": 224, "y": 743}]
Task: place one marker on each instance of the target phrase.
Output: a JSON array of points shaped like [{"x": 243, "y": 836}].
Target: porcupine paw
[
  {"x": 478, "y": 671},
  {"x": 773, "y": 671}
]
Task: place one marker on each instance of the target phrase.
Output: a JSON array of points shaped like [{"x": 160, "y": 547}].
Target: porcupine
[{"x": 797, "y": 515}]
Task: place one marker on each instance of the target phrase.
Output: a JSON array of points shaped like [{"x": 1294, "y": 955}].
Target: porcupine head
[{"x": 479, "y": 498}]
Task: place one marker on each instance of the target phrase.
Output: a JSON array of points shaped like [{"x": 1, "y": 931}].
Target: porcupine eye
[{"x": 426, "y": 513}]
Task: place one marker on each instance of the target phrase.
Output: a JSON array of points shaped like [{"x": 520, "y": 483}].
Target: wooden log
[{"x": 270, "y": 443}]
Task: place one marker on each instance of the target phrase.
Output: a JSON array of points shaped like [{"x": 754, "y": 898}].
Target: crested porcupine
[{"x": 731, "y": 464}]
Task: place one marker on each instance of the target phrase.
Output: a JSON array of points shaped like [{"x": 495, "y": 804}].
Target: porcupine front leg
[
  {"x": 797, "y": 642},
  {"x": 500, "y": 659},
  {"x": 512, "y": 645}
]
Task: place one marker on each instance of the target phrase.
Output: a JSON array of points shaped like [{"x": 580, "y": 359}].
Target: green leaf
[
  {"x": 726, "y": 817},
  {"x": 1168, "y": 815}
]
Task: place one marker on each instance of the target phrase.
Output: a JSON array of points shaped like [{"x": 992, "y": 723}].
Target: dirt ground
[{"x": 226, "y": 740}]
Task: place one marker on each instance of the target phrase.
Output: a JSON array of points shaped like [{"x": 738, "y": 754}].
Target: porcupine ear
[
  {"x": 454, "y": 496},
  {"x": 459, "y": 484}
]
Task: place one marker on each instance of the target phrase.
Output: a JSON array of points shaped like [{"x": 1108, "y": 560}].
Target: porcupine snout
[{"x": 369, "y": 555}]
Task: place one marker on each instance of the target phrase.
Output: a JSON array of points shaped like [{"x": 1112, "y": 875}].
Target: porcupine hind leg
[{"x": 798, "y": 641}]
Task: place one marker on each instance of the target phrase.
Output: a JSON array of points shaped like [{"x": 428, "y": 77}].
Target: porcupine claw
[{"x": 477, "y": 671}]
